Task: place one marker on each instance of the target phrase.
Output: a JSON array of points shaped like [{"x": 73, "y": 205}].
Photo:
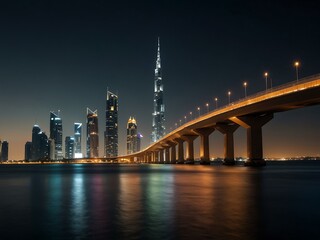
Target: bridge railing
[{"x": 270, "y": 90}]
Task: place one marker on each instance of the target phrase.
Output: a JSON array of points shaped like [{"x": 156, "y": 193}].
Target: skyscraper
[
  {"x": 111, "y": 132},
  {"x": 4, "y": 151},
  {"x": 69, "y": 147},
  {"x": 40, "y": 144},
  {"x": 92, "y": 134},
  {"x": 158, "y": 128},
  {"x": 56, "y": 134},
  {"x": 27, "y": 151},
  {"x": 133, "y": 140},
  {"x": 77, "y": 140}
]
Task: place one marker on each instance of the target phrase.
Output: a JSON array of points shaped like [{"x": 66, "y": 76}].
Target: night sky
[{"x": 62, "y": 55}]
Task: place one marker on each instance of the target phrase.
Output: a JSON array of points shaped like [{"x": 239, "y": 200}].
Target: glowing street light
[
  {"x": 297, "y": 64},
  {"x": 216, "y": 100},
  {"x": 266, "y": 76},
  {"x": 180, "y": 121},
  {"x": 207, "y": 105},
  {"x": 245, "y": 89},
  {"x": 190, "y": 115},
  {"x": 198, "y": 110},
  {"x": 176, "y": 124},
  {"x": 229, "y": 94},
  {"x": 185, "y": 119}
]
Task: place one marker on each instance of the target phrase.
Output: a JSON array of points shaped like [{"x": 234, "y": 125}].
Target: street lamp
[
  {"x": 216, "y": 100},
  {"x": 229, "y": 93},
  {"x": 198, "y": 110},
  {"x": 266, "y": 76},
  {"x": 185, "y": 119},
  {"x": 207, "y": 105},
  {"x": 180, "y": 122},
  {"x": 245, "y": 89},
  {"x": 176, "y": 124},
  {"x": 190, "y": 115},
  {"x": 297, "y": 64}
]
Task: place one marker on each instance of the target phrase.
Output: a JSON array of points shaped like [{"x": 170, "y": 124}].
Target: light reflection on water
[{"x": 157, "y": 202}]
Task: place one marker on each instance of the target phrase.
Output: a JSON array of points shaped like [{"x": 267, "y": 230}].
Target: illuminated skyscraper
[
  {"x": 133, "y": 140},
  {"x": 4, "y": 151},
  {"x": 69, "y": 147},
  {"x": 77, "y": 140},
  {"x": 158, "y": 128},
  {"x": 92, "y": 134},
  {"x": 111, "y": 132},
  {"x": 56, "y": 134}
]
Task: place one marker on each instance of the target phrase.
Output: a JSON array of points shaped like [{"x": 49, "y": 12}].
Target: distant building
[
  {"x": 56, "y": 134},
  {"x": 158, "y": 121},
  {"x": 27, "y": 151},
  {"x": 133, "y": 143},
  {"x": 4, "y": 151},
  {"x": 111, "y": 132},
  {"x": 69, "y": 147},
  {"x": 77, "y": 140},
  {"x": 40, "y": 144},
  {"x": 139, "y": 142},
  {"x": 92, "y": 134}
]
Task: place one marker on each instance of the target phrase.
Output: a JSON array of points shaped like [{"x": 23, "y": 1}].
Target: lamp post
[
  {"x": 229, "y": 94},
  {"x": 245, "y": 89},
  {"x": 207, "y": 105},
  {"x": 216, "y": 100},
  {"x": 266, "y": 76},
  {"x": 190, "y": 115},
  {"x": 185, "y": 119},
  {"x": 176, "y": 125},
  {"x": 296, "y": 64},
  {"x": 180, "y": 122},
  {"x": 198, "y": 110}
]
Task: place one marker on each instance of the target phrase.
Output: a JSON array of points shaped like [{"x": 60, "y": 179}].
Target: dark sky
[{"x": 64, "y": 54}]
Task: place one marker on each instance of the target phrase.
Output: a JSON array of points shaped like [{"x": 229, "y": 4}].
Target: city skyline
[{"x": 206, "y": 51}]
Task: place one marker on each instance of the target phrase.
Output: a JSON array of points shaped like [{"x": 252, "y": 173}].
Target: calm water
[{"x": 280, "y": 201}]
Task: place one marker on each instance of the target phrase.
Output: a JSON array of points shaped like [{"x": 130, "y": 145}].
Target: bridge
[{"x": 251, "y": 112}]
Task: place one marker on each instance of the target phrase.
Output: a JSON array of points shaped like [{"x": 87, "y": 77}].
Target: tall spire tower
[{"x": 158, "y": 128}]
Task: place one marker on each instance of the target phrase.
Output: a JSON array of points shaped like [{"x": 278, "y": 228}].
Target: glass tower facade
[
  {"x": 69, "y": 147},
  {"x": 92, "y": 134},
  {"x": 56, "y": 135},
  {"x": 4, "y": 151},
  {"x": 111, "y": 132},
  {"x": 158, "y": 121},
  {"x": 40, "y": 144},
  {"x": 133, "y": 140},
  {"x": 77, "y": 140}
]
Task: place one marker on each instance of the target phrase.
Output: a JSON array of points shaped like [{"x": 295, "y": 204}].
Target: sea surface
[{"x": 82, "y": 201}]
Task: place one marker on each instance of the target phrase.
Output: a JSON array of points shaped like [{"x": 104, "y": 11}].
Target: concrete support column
[
  {"x": 204, "y": 144},
  {"x": 161, "y": 158},
  {"x": 155, "y": 156},
  {"x": 227, "y": 130},
  {"x": 173, "y": 154},
  {"x": 253, "y": 124},
  {"x": 167, "y": 154},
  {"x": 190, "y": 150},
  {"x": 180, "y": 141}
]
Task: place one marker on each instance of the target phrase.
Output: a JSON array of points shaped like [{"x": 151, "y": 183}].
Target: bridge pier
[
  {"x": 155, "y": 156},
  {"x": 227, "y": 130},
  {"x": 204, "y": 134},
  {"x": 167, "y": 155},
  {"x": 253, "y": 124},
  {"x": 180, "y": 141},
  {"x": 173, "y": 157},
  {"x": 190, "y": 150},
  {"x": 161, "y": 157}
]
